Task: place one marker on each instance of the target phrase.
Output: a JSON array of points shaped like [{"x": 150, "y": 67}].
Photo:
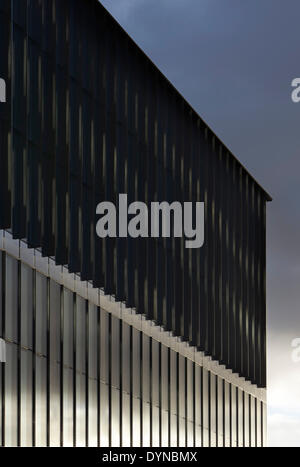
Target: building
[{"x": 119, "y": 342}]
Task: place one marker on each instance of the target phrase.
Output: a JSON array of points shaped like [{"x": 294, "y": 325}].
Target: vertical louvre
[{"x": 88, "y": 117}]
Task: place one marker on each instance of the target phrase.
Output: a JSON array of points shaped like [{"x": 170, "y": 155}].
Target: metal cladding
[{"x": 88, "y": 116}]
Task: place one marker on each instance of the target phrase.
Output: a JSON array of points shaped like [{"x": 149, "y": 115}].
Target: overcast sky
[{"x": 234, "y": 61}]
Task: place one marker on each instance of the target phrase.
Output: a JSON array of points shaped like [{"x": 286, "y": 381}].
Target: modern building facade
[{"x": 119, "y": 342}]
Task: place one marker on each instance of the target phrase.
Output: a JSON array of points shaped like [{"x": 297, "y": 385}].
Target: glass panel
[
  {"x": 115, "y": 419},
  {"x": 115, "y": 352},
  {"x": 93, "y": 334},
  {"x": 174, "y": 431},
  {"x": 190, "y": 434},
  {"x": 54, "y": 405},
  {"x": 68, "y": 373},
  {"x": 93, "y": 394},
  {"x": 11, "y": 315},
  {"x": 26, "y": 306},
  {"x": 220, "y": 413},
  {"x": 164, "y": 378},
  {"x": 104, "y": 347},
  {"x": 253, "y": 421},
  {"x": 173, "y": 398},
  {"x": 55, "y": 309},
  {"x": 80, "y": 372},
  {"x": 11, "y": 396},
  {"x": 80, "y": 410},
  {"x": 155, "y": 373},
  {"x": 126, "y": 421},
  {"x": 55, "y": 324},
  {"x": 213, "y": 411},
  {"x": 246, "y": 420},
  {"x": 136, "y": 364},
  {"x": 205, "y": 408},
  {"x": 182, "y": 401},
  {"x": 227, "y": 413},
  {"x": 259, "y": 424},
  {"x": 104, "y": 416},
  {"x": 198, "y": 435},
  {"x": 165, "y": 428},
  {"x": 155, "y": 427},
  {"x": 136, "y": 419},
  {"x": 182, "y": 398},
  {"x": 182, "y": 432},
  {"x": 198, "y": 405},
  {"x": 68, "y": 407},
  {"x": 264, "y": 427},
  {"x": 41, "y": 402},
  {"x": 146, "y": 425},
  {"x": 26, "y": 398},
  {"x": 80, "y": 335},
  {"x": 234, "y": 415},
  {"x": 41, "y": 314},
  {"x": 126, "y": 357},
  {"x": 68, "y": 327},
  {"x": 93, "y": 414},
  {"x": 240, "y": 418},
  {"x": 146, "y": 369},
  {"x": 190, "y": 390}
]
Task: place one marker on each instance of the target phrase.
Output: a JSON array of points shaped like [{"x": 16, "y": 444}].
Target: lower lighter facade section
[{"x": 78, "y": 375}]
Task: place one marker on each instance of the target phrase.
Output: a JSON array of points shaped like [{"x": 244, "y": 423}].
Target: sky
[{"x": 234, "y": 62}]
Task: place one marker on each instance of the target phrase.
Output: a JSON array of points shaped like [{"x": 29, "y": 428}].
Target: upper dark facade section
[{"x": 88, "y": 116}]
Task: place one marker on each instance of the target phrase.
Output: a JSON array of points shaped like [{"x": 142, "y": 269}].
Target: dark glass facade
[{"x": 88, "y": 116}]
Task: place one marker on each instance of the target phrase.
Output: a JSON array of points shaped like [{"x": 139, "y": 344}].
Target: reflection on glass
[
  {"x": 126, "y": 421},
  {"x": 41, "y": 402},
  {"x": 104, "y": 416},
  {"x": 11, "y": 299},
  {"x": 166, "y": 398},
  {"x": 246, "y": 420},
  {"x": 220, "y": 413},
  {"x": 205, "y": 408},
  {"x": 227, "y": 390},
  {"x": 11, "y": 396},
  {"x": 26, "y": 306},
  {"x": 234, "y": 415},
  {"x": 26, "y": 399},
  {"x": 115, "y": 418},
  {"x": 213, "y": 411}
]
